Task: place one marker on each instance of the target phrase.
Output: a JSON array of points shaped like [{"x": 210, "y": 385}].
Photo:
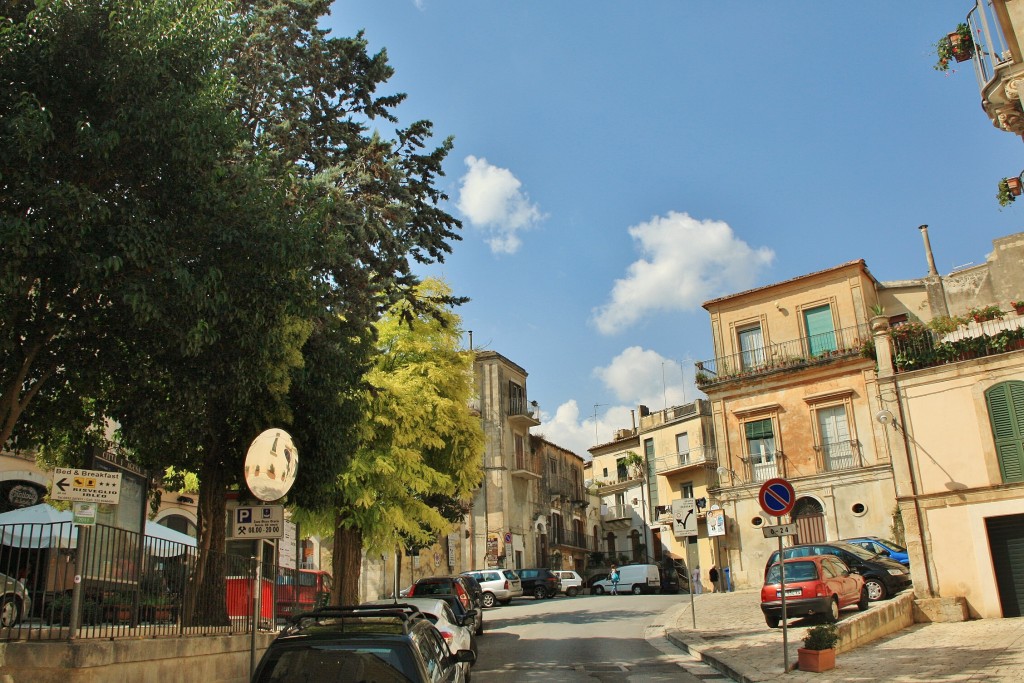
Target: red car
[{"x": 818, "y": 584}]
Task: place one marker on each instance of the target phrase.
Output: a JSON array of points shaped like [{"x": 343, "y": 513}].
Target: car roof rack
[{"x": 400, "y": 613}]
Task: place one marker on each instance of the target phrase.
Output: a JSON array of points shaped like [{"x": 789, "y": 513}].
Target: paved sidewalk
[{"x": 731, "y": 636}]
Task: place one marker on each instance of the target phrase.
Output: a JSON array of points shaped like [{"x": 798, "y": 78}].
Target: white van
[{"x": 633, "y": 578}]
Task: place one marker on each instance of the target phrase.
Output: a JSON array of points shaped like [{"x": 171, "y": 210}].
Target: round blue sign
[{"x": 777, "y": 497}]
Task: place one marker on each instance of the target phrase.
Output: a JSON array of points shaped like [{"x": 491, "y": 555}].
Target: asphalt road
[{"x": 586, "y": 638}]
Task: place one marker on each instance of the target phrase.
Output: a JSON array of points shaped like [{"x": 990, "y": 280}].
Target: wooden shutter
[{"x": 1006, "y": 411}]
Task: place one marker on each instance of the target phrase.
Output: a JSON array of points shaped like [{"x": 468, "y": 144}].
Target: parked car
[
  {"x": 539, "y": 582},
  {"x": 472, "y": 617},
  {"x": 475, "y": 591},
  {"x": 455, "y": 586},
  {"x": 882, "y": 576},
  {"x": 570, "y": 582},
  {"x": 498, "y": 585},
  {"x": 14, "y": 601},
  {"x": 883, "y": 547},
  {"x": 671, "y": 580},
  {"x": 359, "y": 643},
  {"x": 457, "y": 635},
  {"x": 633, "y": 578},
  {"x": 817, "y": 584},
  {"x": 594, "y": 578}
]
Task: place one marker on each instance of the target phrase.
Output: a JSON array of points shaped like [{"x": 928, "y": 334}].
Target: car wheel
[
  {"x": 488, "y": 599},
  {"x": 637, "y": 589},
  {"x": 832, "y": 615},
  {"x": 540, "y": 592},
  {"x": 10, "y": 611},
  {"x": 572, "y": 592},
  {"x": 876, "y": 589},
  {"x": 862, "y": 604},
  {"x": 597, "y": 590},
  {"x": 773, "y": 622}
]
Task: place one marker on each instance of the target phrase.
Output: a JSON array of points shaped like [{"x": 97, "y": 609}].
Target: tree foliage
[{"x": 422, "y": 446}]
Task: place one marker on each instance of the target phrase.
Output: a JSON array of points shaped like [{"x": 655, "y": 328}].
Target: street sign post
[
  {"x": 86, "y": 486},
  {"x": 777, "y": 497},
  {"x": 684, "y": 514},
  {"x": 258, "y": 521}
]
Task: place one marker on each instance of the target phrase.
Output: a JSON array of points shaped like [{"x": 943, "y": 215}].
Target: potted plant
[
  {"x": 958, "y": 45},
  {"x": 1005, "y": 194},
  {"x": 1018, "y": 306},
  {"x": 985, "y": 313},
  {"x": 1015, "y": 185},
  {"x": 819, "y": 651}
]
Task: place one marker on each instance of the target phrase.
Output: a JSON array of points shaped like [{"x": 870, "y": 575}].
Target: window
[
  {"x": 516, "y": 399},
  {"x": 621, "y": 471},
  {"x": 1006, "y": 412},
  {"x": 686, "y": 489},
  {"x": 834, "y": 432},
  {"x": 520, "y": 446},
  {"x": 649, "y": 449},
  {"x": 761, "y": 449},
  {"x": 683, "y": 447},
  {"x": 821, "y": 334},
  {"x": 604, "y": 472},
  {"x": 751, "y": 347}
]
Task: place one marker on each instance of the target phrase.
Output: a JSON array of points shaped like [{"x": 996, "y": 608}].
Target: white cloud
[
  {"x": 684, "y": 262},
  {"x": 637, "y": 377},
  {"x": 492, "y": 200}
]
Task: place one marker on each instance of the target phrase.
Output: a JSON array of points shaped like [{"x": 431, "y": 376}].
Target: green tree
[{"x": 422, "y": 445}]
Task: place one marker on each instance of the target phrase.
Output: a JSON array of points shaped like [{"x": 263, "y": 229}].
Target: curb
[{"x": 697, "y": 650}]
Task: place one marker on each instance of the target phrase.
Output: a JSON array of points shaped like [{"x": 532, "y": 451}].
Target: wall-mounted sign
[
  {"x": 23, "y": 496},
  {"x": 716, "y": 522}
]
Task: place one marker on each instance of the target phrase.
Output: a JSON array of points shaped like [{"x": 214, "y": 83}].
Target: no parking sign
[{"x": 777, "y": 497}]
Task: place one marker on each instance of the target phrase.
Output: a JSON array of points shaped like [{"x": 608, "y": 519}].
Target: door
[
  {"x": 821, "y": 335},
  {"x": 809, "y": 518},
  {"x": 1006, "y": 543},
  {"x": 836, "y": 451}
]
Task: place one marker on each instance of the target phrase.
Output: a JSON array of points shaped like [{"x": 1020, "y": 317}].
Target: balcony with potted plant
[{"x": 956, "y": 46}]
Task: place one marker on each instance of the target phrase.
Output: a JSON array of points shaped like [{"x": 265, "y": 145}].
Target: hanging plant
[
  {"x": 958, "y": 45},
  {"x": 1005, "y": 194}
]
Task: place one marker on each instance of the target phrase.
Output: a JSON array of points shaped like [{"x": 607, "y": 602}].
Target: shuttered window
[
  {"x": 821, "y": 336},
  {"x": 1006, "y": 411}
]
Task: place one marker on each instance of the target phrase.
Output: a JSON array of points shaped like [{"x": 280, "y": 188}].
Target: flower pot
[
  {"x": 1019, "y": 310},
  {"x": 816, "y": 660},
  {"x": 962, "y": 48},
  {"x": 1015, "y": 186}
]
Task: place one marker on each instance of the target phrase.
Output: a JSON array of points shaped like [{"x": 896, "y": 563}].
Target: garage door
[{"x": 1006, "y": 541}]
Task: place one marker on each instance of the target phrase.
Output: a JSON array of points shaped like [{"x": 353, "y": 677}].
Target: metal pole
[
  {"x": 75, "y": 619},
  {"x": 689, "y": 580},
  {"x": 782, "y": 585},
  {"x": 253, "y": 607}
]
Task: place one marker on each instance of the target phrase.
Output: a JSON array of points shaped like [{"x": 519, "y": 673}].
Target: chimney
[{"x": 928, "y": 251}]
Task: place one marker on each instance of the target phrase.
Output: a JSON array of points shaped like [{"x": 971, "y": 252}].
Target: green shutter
[
  {"x": 821, "y": 334},
  {"x": 1006, "y": 411}
]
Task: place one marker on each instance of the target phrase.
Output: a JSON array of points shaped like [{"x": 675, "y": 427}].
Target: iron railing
[
  {"x": 699, "y": 455},
  {"x": 788, "y": 355},
  {"x": 915, "y": 346},
  {"x": 763, "y": 466},
  {"x": 614, "y": 512},
  {"x": 128, "y": 585},
  {"x": 839, "y": 455}
]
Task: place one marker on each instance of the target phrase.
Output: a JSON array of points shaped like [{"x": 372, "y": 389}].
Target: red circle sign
[{"x": 777, "y": 497}]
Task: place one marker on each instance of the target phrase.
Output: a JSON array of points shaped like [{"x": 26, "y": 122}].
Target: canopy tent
[{"x": 42, "y": 526}]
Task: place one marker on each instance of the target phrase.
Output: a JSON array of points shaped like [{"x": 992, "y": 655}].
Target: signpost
[
  {"x": 684, "y": 514},
  {"x": 259, "y": 521},
  {"x": 777, "y": 497},
  {"x": 86, "y": 486}
]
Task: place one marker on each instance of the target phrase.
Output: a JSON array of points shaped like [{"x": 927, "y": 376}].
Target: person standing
[
  {"x": 695, "y": 581},
  {"x": 614, "y": 576},
  {"x": 713, "y": 578}
]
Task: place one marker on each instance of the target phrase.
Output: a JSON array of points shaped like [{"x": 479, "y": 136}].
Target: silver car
[
  {"x": 14, "y": 601},
  {"x": 497, "y": 585}
]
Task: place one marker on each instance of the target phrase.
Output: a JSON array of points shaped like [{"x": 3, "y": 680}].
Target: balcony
[
  {"x": 677, "y": 462},
  {"x": 618, "y": 513},
  {"x": 915, "y": 346},
  {"x": 523, "y": 414},
  {"x": 566, "y": 489},
  {"x": 838, "y": 455},
  {"x": 572, "y": 539},
  {"x": 763, "y": 466},
  {"x": 785, "y": 356},
  {"x": 620, "y": 483},
  {"x": 526, "y": 466},
  {"x": 997, "y": 62}
]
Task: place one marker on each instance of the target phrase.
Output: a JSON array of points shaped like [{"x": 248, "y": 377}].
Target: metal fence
[{"x": 62, "y": 581}]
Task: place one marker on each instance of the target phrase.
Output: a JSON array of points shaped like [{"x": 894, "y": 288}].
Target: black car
[
  {"x": 539, "y": 582},
  {"x": 359, "y": 643},
  {"x": 455, "y": 586},
  {"x": 883, "y": 577},
  {"x": 471, "y": 618}
]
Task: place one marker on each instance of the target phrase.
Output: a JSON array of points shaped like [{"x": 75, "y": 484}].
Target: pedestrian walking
[
  {"x": 695, "y": 580},
  {"x": 614, "y": 576},
  {"x": 713, "y": 578}
]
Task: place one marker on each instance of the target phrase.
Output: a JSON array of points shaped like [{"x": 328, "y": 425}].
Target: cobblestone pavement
[{"x": 731, "y": 636}]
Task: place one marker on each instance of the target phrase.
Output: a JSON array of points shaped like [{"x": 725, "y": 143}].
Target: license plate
[{"x": 790, "y": 592}]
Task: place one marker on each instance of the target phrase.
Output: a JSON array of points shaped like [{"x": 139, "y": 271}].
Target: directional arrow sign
[
  {"x": 684, "y": 510},
  {"x": 86, "y": 486}
]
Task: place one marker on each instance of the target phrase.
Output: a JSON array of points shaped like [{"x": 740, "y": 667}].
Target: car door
[{"x": 847, "y": 586}]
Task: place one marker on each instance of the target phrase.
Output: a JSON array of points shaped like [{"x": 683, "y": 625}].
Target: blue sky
[{"x": 618, "y": 163}]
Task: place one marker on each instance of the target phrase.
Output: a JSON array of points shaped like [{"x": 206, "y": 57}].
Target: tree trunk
[
  {"x": 207, "y": 603},
  {"x": 348, "y": 554}
]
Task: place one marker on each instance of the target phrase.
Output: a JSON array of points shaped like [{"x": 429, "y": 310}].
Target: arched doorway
[{"x": 809, "y": 517}]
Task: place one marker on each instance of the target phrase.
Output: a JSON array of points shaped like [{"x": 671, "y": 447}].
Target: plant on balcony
[
  {"x": 635, "y": 462},
  {"x": 944, "y": 324},
  {"x": 985, "y": 313},
  {"x": 1018, "y": 306},
  {"x": 702, "y": 378},
  {"x": 1005, "y": 195},
  {"x": 958, "y": 45}
]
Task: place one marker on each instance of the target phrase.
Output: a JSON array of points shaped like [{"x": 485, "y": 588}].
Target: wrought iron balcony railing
[
  {"x": 788, "y": 355},
  {"x": 701, "y": 455},
  {"x": 839, "y": 455}
]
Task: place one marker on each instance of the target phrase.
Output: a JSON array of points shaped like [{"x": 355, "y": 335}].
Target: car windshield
[
  {"x": 795, "y": 571},
  {"x": 338, "y": 663}
]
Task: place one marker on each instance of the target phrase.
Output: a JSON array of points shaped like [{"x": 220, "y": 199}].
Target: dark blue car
[{"x": 881, "y": 546}]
